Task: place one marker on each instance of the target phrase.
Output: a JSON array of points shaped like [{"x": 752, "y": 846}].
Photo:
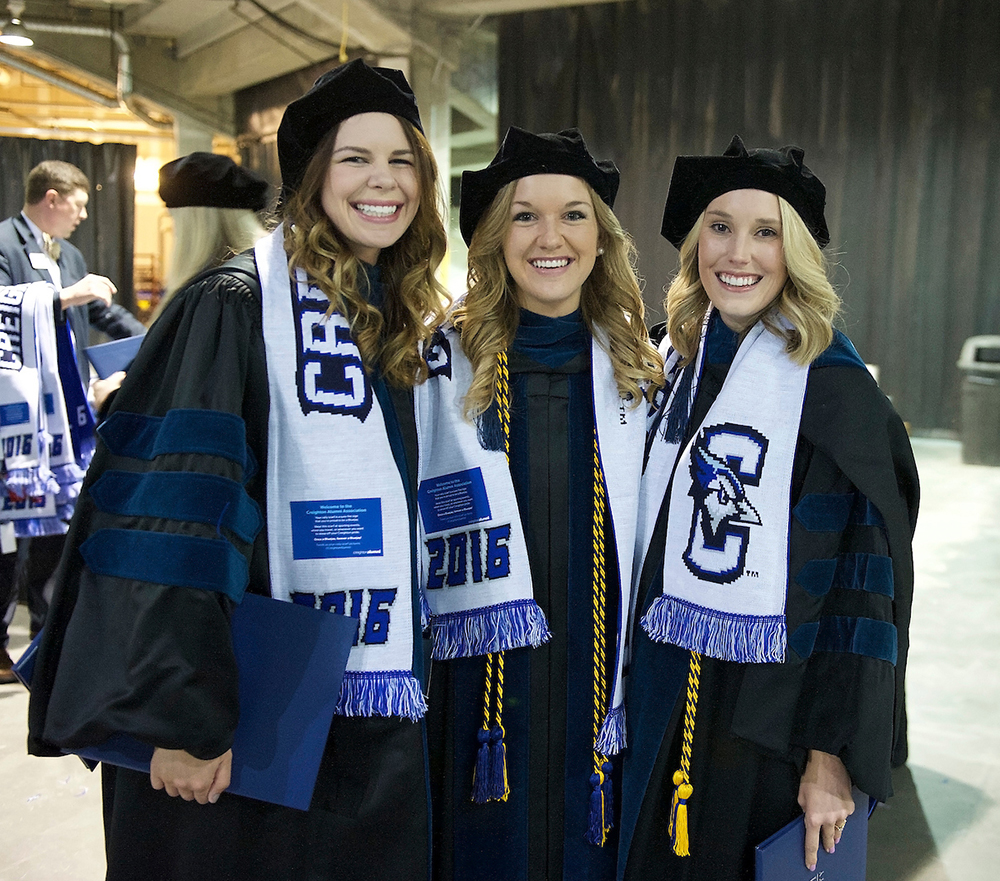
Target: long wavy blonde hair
[
  {"x": 204, "y": 237},
  {"x": 807, "y": 299},
  {"x": 415, "y": 301},
  {"x": 611, "y": 299}
]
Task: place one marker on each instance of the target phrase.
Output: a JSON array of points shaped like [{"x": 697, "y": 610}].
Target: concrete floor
[{"x": 943, "y": 824}]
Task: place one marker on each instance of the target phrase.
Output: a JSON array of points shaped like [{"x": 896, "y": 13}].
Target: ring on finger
[{"x": 840, "y": 827}]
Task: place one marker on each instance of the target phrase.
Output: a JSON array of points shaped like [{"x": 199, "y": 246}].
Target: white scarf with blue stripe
[
  {"x": 42, "y": 474},
  {"x": 725, "y": 566},
  {"x": 469, "y": 520},
  {"x": 337, "y": 519}
]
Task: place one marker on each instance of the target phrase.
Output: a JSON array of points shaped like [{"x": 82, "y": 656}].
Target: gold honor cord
[
  {"x": 489, "y": 780},
  {"x": 678, "y": 828},
  {"x": 601, "y": 809}
]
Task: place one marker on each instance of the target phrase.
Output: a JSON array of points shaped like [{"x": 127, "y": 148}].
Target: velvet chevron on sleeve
[
  {"x": 852, "y": 511},
  {"x": 167, "y": 530}
]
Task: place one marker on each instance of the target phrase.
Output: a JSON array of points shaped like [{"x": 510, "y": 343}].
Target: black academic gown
[
  {"x": 755, "y": 723},
  {"x": 538, "y": 834},
  {"x": 161, "y": 664}
]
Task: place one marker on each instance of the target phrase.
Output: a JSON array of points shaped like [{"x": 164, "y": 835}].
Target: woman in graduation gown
[
  {"x": 779, "y": 501},
  {"x": 284, "y": 376},
  {"x": 544, "y": 366}
]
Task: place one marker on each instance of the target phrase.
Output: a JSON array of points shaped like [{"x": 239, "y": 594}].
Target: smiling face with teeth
[
  {"x": 741, "y": 257},
  {"x": 551, "y": 245},
  {"x": 371, "y": 191}
]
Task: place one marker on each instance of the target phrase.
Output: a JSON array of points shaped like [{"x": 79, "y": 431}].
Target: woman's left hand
[{"x": 826, "y": 800}]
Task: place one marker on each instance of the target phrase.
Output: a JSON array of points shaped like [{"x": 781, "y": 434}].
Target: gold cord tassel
[{"x": 682, "y": 776}]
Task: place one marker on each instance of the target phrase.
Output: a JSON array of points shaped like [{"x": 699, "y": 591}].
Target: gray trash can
[{"x": 980, "y": 366}]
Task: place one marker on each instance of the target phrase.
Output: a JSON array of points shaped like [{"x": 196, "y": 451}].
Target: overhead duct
[{"x": 124, "y": 95}]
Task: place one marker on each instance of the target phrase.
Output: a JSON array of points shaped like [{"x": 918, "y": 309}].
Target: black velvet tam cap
[
  {"x": 338, "y": 94},
  {"x": 212, "y": 181},
  {"x": 697, "y": 180},
  {"x": 523, "y": 154}
]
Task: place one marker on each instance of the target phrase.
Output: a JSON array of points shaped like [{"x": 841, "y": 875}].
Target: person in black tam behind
[
  {"x": 534, "y": 405},
  {"x": 302, "y": 358},
  {"x": 213, "y": 203},
  {"x": 778, "y": 506}
]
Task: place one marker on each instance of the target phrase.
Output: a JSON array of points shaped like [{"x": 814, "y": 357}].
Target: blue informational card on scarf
[
  {"x": 782, "y": 856},
  {"x": 291, "y": 662}
]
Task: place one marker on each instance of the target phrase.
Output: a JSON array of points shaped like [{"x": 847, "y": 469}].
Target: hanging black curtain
[
  {"x": 897, "y": 105},
  {"x": 106, "y": 237}
]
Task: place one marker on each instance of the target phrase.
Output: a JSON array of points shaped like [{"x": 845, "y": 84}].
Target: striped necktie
[{"x": 52, "y": 247}]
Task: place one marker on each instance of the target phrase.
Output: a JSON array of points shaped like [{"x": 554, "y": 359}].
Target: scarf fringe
[
  {"x": 388, "y": 693},
  {"x": 489, "y": 428},
  {"x": 24, "y": 482},
  {"x": 746, "y": 639},
  {"x": 39, "y": 526},
  {"x": 611, "y": 739},
  {"x": 510, "y": 625},
  {"x": 69, "y": 479}
]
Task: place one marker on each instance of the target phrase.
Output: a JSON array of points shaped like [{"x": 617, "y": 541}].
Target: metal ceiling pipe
[
  {"x": 53, "y": 79},
  {"x": 125, "y": 96}
]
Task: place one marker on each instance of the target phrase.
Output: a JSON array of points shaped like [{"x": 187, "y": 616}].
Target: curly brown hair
[{"x": 391, "y": 338}]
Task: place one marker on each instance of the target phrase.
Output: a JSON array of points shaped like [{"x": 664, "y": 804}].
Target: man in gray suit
[{"x": 33, "y": 247}]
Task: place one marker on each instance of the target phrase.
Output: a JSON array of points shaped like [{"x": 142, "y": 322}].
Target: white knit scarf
[
  {"x": 474, "y": 569},
  {"x": 39, "y": 462},
  {"x": 725, "y": 566},
  {"x": 337, "y": 520}
]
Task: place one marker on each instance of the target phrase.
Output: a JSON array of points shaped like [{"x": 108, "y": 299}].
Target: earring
[{"x": 600, "y": 252}]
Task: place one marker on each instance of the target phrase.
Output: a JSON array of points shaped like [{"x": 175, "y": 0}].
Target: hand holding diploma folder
[
  {"x": 291, "y": 662},
  {"x": 779, "y": 858}
]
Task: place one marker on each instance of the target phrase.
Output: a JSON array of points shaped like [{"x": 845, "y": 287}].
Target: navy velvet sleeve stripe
[
  {"x": 168, "y": 558},
  {"x": 832, "y": 512},
  {"x": 210, "y": 432},
  {"x": 839, "y": 633},
  {"x": 824, "y": 512},
  {"x": 867, "y": 572},
  {"x": 179, "y": 495},
  {"x": 863, "y": 512}
]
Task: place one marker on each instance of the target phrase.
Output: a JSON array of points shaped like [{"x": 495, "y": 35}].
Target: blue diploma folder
[
  {"x": 782, "y": 856},
  {"x": 291, "y": 662},
  {"x": 108, "y": 358}
]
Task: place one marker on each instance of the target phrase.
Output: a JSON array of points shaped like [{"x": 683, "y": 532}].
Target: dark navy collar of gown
[
  {"x": 551, "y": 341},
  {"x": 722, "y": 342},
  {"x": 374, "y": 292}
]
